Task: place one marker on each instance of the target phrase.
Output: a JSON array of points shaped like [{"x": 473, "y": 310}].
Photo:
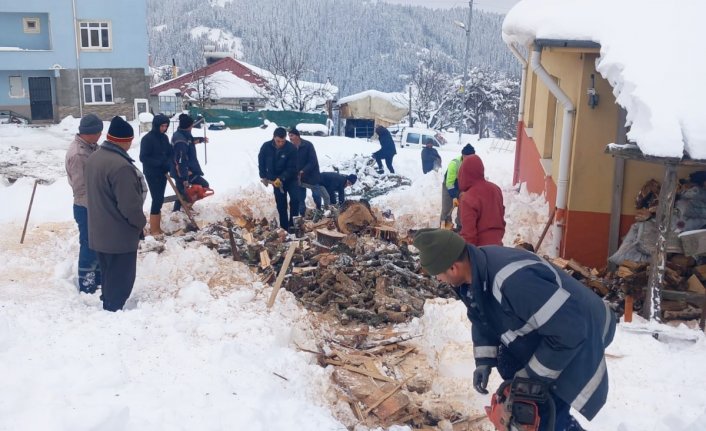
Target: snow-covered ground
[{"x": 196, "y": 347}]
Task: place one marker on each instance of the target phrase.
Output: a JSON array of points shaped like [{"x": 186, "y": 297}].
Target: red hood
[{"x": 471, "y": 173}]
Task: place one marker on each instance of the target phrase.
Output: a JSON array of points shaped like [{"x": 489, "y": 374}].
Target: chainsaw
[
  {"x": 515, "y": 405},
  {"x": 196, "y": 192}
]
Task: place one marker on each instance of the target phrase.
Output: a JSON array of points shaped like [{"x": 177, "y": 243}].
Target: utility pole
[
  {"x": 411, "y": 121},
  {"x": 467, "y": 28}
]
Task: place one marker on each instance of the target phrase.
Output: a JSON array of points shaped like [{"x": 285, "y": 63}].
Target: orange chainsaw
[
  {"x": 196, "y": 192},
  {"x": 515, "y": 405}
]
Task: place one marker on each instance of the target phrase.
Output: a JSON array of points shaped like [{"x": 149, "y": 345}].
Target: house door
[{"x": 40, "y": 100}]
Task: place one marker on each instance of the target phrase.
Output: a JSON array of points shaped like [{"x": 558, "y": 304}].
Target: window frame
[
  {"x": 86, "y": 24},
  {"x": 21, "y": 85},
  {"x": 27, "y": 29},
  {"x": 93, "y": 84}
]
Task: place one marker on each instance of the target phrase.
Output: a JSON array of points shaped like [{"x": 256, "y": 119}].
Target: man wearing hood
[
  {"x": 185, "y": 166},
  {"x": 156, "y": 157},
  {"x": 481, "y": 205}
]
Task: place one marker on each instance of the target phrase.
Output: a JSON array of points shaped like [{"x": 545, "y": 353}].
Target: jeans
[
  {"x": 290, "y": 188},
  {"x": 89, "y": 271},
  {"x": 388, "y": 162},
  {"x": 447, "y": 207},
  {"x": 317, "y": 192}
]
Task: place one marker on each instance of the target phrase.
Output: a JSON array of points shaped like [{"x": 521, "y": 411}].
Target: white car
[{"x": 416, "y": 137}]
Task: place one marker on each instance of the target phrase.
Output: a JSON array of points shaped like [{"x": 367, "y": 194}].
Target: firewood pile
[{"x": 370, "y": 183}]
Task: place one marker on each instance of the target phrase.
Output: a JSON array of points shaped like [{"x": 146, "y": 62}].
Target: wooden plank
[
  {"x": 574, "y": 265},
  {"x": 384, "y": 397},
  {"x": 623, "y": 272},
  {"x": 628, "y": 309},
  {"x": 694, "y": 242},
  {"x": 247, "y": 236},
  {"x": 303, "y": 269},
  {"x": 280, "y": 277},
  {"x": 634, "y": 266},
  {"x": 264, "y": 259}
]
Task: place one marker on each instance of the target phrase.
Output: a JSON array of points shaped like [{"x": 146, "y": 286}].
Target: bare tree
[{"x": 429, "y": 86}]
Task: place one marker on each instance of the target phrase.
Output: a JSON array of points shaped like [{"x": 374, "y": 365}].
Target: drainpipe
[
  {"x": 565, "y": 155},
  {"x": 521, "y": 111},
  {"x": 78, "y": 60}
]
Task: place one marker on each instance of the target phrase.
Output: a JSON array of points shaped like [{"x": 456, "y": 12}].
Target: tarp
[
  {"x": 384, "y": 108},
  {"x": 240, "y": 120}
]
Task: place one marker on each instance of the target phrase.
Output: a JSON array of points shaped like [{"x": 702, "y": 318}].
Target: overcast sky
[{"x": 499, "y": 6}]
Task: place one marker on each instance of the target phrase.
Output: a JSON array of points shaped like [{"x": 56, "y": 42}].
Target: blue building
[{"x": 73, "y": 57}]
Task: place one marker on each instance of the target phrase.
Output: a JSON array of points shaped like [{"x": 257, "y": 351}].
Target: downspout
[
  {"x": 565, "y": 151},
  {"x": 520, "y": 113},
  {"x": 78, "y": 60}
]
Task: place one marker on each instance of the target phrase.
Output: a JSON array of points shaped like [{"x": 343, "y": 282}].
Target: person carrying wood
[
  {"x": 481, "y": 206},
  {"x": 528, "y": 320},
  {"x": 84, "y": 144},
  {"x": 185, "y": 168},
  {"x": 277, "y": 165},
  {"x": 156, "y": 157}
]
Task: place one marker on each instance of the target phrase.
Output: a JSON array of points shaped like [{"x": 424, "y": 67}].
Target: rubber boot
[{"x": 155, "y": 228}]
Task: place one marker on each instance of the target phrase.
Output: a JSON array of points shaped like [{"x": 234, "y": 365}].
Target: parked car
[{"x": 416, "y": 137}]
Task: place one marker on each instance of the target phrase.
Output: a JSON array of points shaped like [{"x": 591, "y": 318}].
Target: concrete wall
[{"x": 13, "y": 34}]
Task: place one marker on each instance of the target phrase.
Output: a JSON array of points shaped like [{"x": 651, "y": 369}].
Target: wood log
[
  {"x": 265, "y": 259},
  {"x": 628, "y": 309},
  {"x": 624, "y": 272},
  {"x": 700, "y": 271},
  {"x": 575, "y": 266},
  {"x": 695, "y": 285},
  {"x": 688, "y": 313},
  {"x": 634, "y": 266},
  {"x": 682, "y": 260},
  {"x": 561, "y": 263},
  {"x": 280, "y": 277},
  {"x": 597, "y": 284},
  {"x": 355, "y": 218},
  {"x": 694, "y": 242}
]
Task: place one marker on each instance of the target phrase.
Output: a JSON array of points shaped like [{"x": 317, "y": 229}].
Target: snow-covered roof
[
  {"x": 227, "y": 85},
  {"x": 397, "y": 99},
  {"x": 373, "y": 104},
  {"x": 651, "y": 54}
]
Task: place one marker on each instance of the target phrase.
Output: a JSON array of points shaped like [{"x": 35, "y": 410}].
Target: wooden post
[
  {"x": 29, "y": 209},
  {"x": 628, "y": 309},
  {"x": 280, "y": 277},
  {"x": 184, "y": 205},
  {"x": 658, "y": 262},
  {"x": 544, "y": 232}
]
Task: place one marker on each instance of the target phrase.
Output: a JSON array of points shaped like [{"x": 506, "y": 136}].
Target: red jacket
[{"x": 481, "y": 205}]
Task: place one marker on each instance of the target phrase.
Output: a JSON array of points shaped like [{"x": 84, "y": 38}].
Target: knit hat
[
  {"x": 352, "y": 178},
  {"x": 120, "y": 131},
  {"x": 468, "y": 150},
  {"x": 185, "y": 121},
  {"x": 294, "y": 131},
  {"x": 90, "y": 125},
  {"x": 438, "y": 249}
]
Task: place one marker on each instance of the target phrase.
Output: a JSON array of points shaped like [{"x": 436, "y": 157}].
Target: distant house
[
  {"x": 363, "y": 111},
  {"x": 223, "y": 84},
  {"x": 579, "y": 57},
  {"x": 56, "y": 60}
]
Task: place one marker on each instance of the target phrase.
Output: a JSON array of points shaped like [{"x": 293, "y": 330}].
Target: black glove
[{"x": 480, "y": 378}]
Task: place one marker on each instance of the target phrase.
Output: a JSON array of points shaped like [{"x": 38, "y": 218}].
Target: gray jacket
[
  {"x": 76, "y": 157},
  {"x": 115, "y": 196}
]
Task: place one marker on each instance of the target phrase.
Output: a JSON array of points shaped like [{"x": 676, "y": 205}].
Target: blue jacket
[
  {"x": 273, "y": 162},
  {"x": 185, "y": 159},
  {"x": 387, "y": 145},
  {"x": 308, "y": 163},
  {"x": 155, "y": 150},
  {"x": 335, "y": 185},
  {"x": 547, "y": 320}
]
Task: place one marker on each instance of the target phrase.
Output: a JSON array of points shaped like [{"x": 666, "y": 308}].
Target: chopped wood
[
  {"x": 700, "y": 271},
  {"x": 584, "y": 271},
  {"x": 694, "y": 242},
  {"x": 688, "y": 313},
  {"x": 384, "y": 397},
  {"x": 634, "y": 266},
  {"x": 363, "y": 371},
  {"x": 401, "y": 357},
  {"x": 265, "y": 259},
  {"x": 356, "y": 217},
  {"x": 282, "y": 272},
  {"x": 247, "y": 236},
  {"x": 302, "y": 270},
  {"x": 672, "y": 277},
  {"x": 682, "y": 260},
  {"x": 623, "y": 272},
  {"x": 561, "y": 263},
  {"x": 597, "y": 284},
  {"x": 695, "y": 285}
]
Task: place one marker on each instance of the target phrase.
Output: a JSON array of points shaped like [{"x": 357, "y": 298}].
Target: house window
[
  {"x": 95, "y": 34},
  {"x": 16, "y": 88},
  {"x": 31, "y": 25},
  {"x": 98, "y": 90}
]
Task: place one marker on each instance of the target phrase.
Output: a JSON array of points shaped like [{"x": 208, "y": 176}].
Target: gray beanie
[
  {"x": 438, "y": 249},
  {"x": 90, "y": 125}
]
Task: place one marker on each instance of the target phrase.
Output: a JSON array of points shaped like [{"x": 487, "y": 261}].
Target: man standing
[
  {"x": 387, "y": 150},
  {"x": 116, "y": 192},
  {"x": 156, "y": 157},
  {"x": 431, "y": 160},
  {"x": 529, "y": 320},
  {"x": 277, "y": 163},
  {"x": 481, "y": 209},
  {"x": 185, "y": 168},
  {"x": 335, "y": 185},
  {"x": 449, "y": 190},
  {"x": 308, "y": 172},
  {"x": 83, "y": 145}
]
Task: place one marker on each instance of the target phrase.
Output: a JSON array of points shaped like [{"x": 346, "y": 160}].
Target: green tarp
[{"x": 240, "y": 120}]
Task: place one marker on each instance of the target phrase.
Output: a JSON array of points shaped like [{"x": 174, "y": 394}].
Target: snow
[
  {"x": 196, "y": 346},
  {"x": 226, "y": 85},
  {"x": 220, "y": 37},
  {"x": 311, "y": 128},
  {"x": 647, "y": 55},
  {"x": 170, "y": 92},
  {"x": 397, "y": 99}
]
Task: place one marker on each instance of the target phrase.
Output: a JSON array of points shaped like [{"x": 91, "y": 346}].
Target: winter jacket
[
  {"x": 155, "y": 149},
  {"x": 451, "y": 176},
  {"x": 387, "y": 145},
  {"x": 308, "y": 163},
  {"x": 116, "y": 193},
  {"x": 75, "y": 162},
  {"x": 430, "y": 158},
  {"x": 335, "y": 184},
  {"x": 184, "y": 156},
  {"x": 547, "y": 320},
  {"x": 481, "y": 206},
  {"x": 276, "y": 162}
]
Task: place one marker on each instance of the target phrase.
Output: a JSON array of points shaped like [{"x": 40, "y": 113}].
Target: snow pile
[{"x": 647, "y": 55}]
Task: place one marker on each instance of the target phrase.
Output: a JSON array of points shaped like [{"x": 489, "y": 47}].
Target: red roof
[{"x": 227, "y": 64}]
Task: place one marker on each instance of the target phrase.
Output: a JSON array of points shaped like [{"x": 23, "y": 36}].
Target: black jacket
[
  {"x": 185, "y": 159},
  {"x": 276, "y": 162},
  {"x": 387, "y": 145},
  {"x": 308, "y": 163},
  {"x": 155, "y": 149},
  {"x": 430, "y": 157},
  {"x": 335, "y": 184}
]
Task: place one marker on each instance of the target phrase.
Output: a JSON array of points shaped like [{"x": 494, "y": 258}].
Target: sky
[{"x": 498, "y": 6}]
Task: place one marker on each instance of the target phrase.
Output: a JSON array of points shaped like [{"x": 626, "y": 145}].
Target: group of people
[
  {"x": 292, "y": 167},
  {"x": 109, "y": 192}
]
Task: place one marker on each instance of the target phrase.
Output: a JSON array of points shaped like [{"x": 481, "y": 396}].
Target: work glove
[
  {"x": 480, "y": 378},
  {"x": 277, "y": 183},
  {"x": 455, "y": 202}
]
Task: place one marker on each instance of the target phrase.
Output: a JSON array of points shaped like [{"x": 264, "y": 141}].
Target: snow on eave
[
  {"x": 397, "y": 99},
  {"x": 650, "y": 55}
]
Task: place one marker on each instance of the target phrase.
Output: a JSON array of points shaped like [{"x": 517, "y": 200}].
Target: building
[
  {"x": 589, "y": 80},
  {"x": 72, "y": 57},
  {"x": 363, "y": 111},
  {"x": 225, "y": 83}
]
